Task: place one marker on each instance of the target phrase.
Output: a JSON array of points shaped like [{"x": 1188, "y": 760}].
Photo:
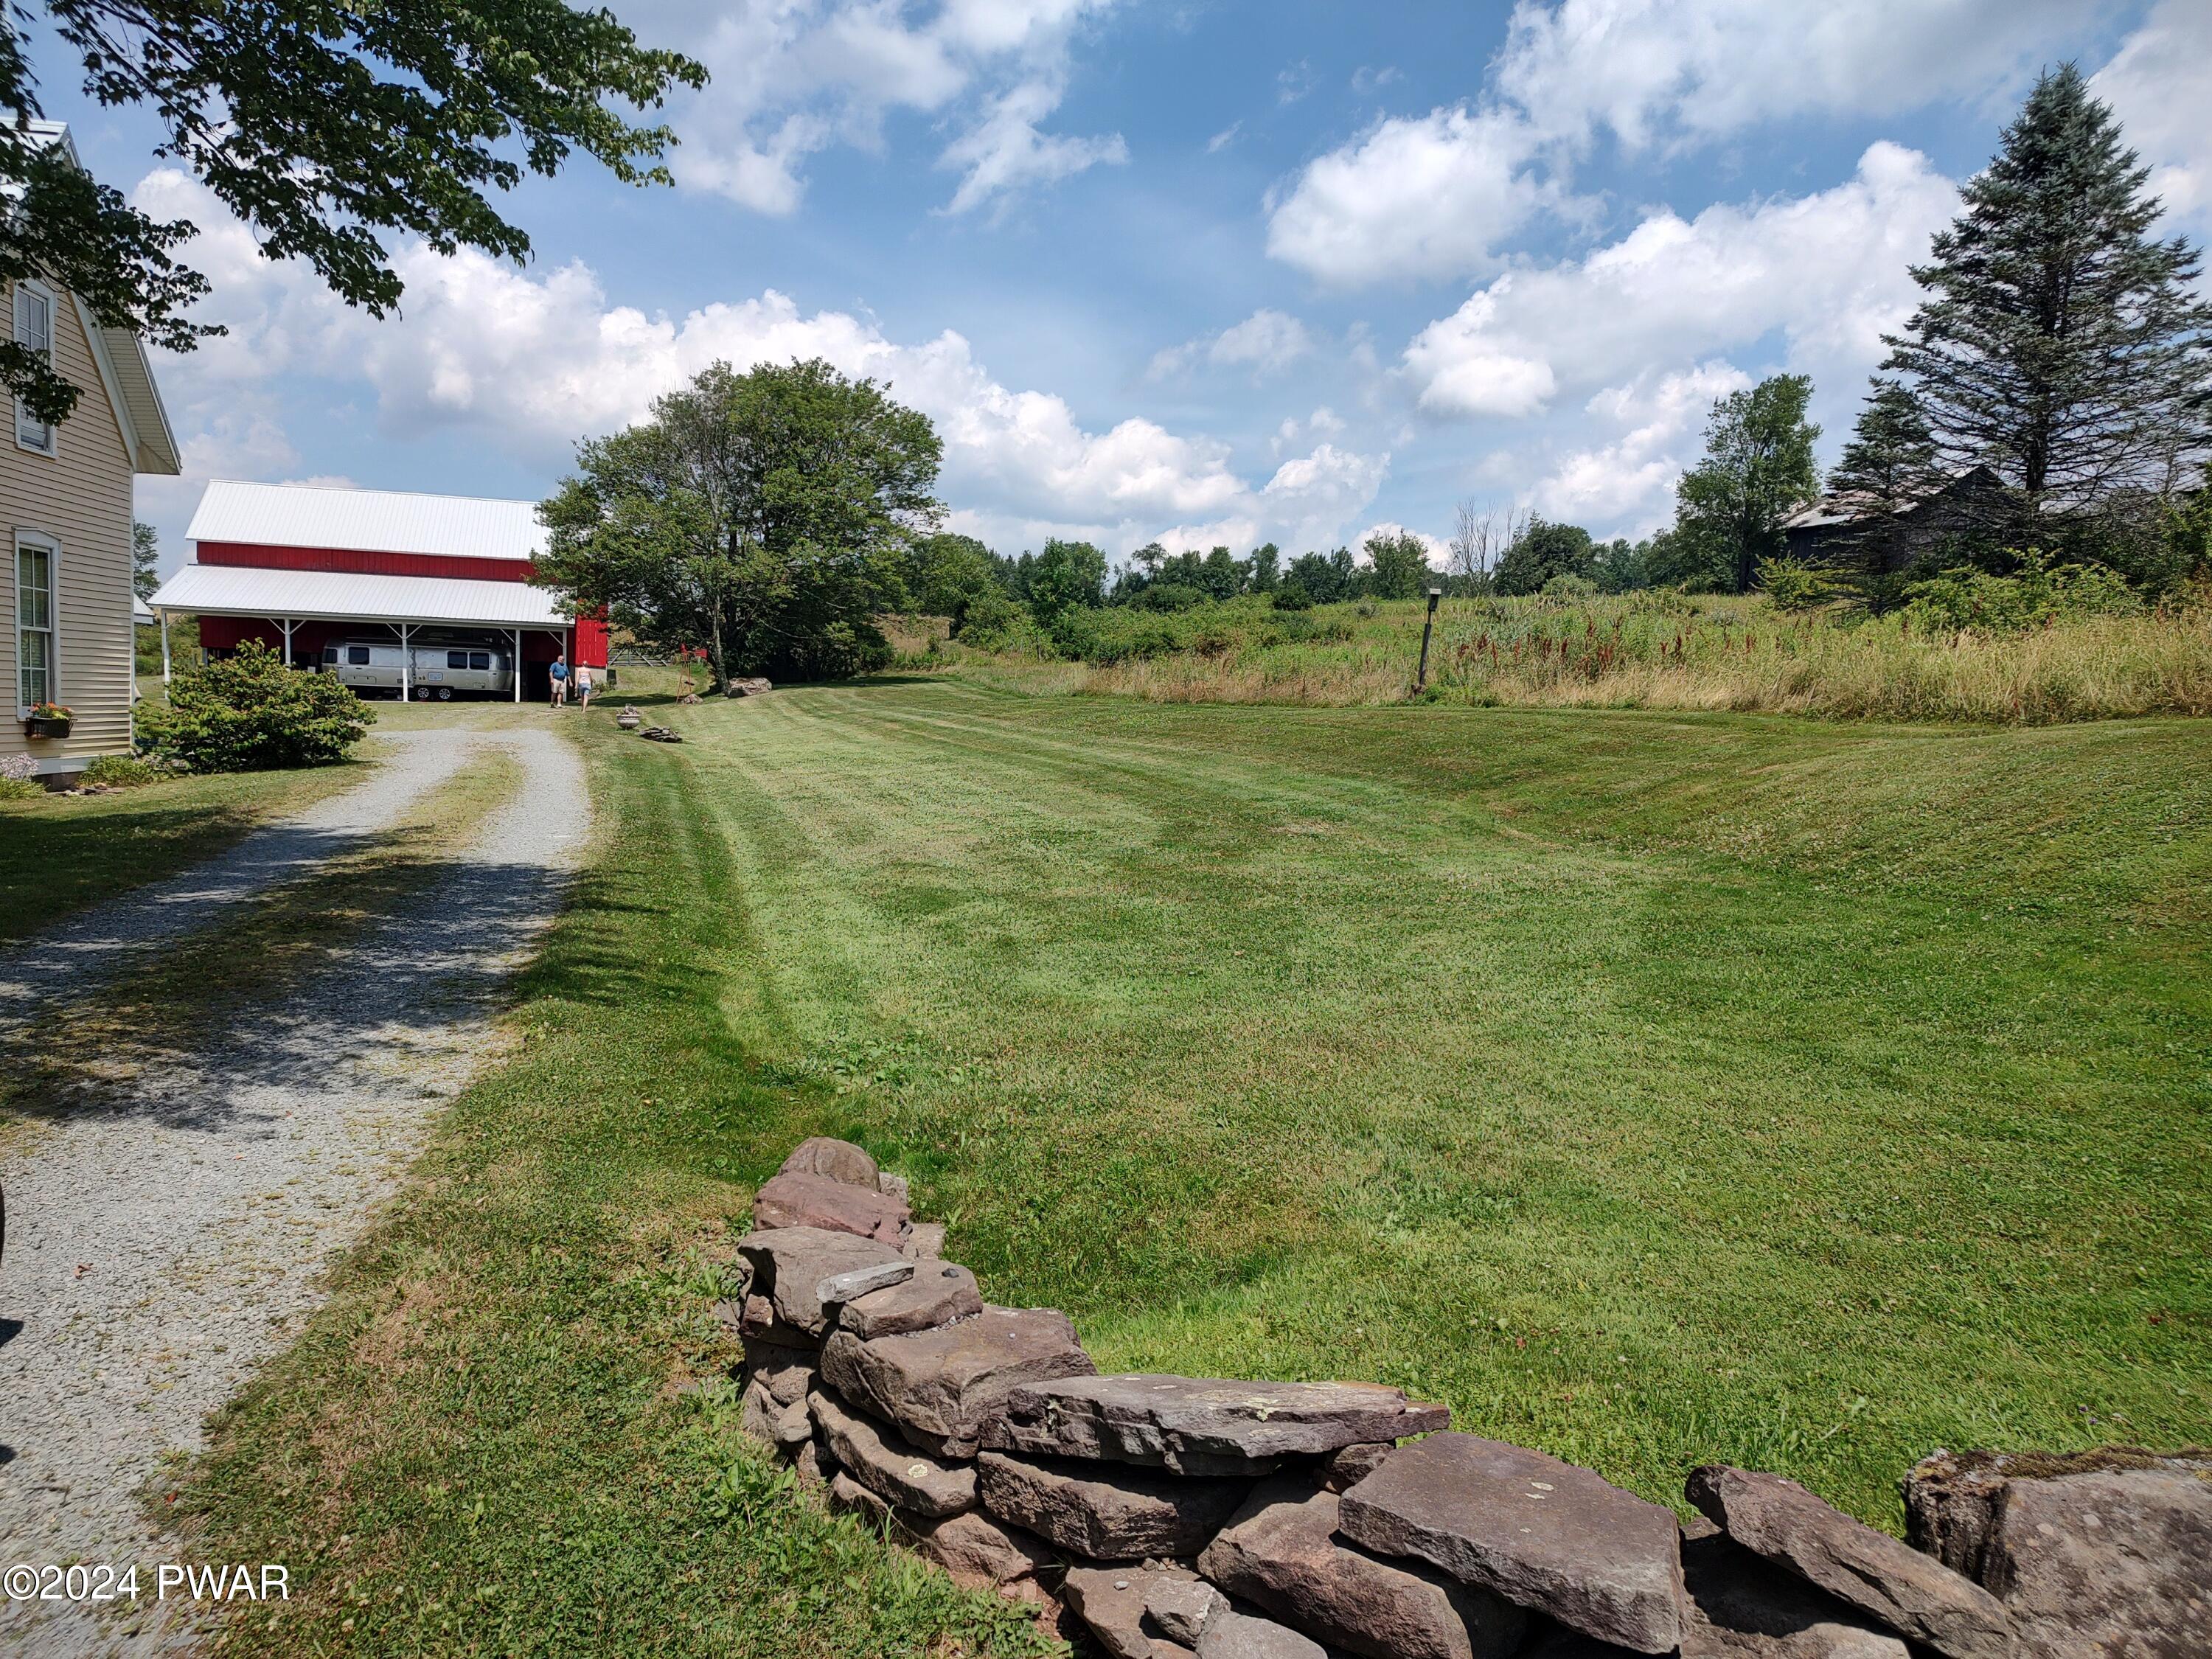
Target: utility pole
[{"x": 1428, "y": 625}]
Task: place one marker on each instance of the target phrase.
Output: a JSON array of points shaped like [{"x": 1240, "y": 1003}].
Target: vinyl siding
[{"x": 79, "y": 499}]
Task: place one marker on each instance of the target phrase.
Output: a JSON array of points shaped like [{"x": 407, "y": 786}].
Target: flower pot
[
  {"x": 629, "y": 719},
  {"x": 46, "y": 728}
]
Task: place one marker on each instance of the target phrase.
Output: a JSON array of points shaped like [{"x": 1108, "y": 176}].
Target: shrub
[
  {"x": 1292, "y": 596},
  {"x": 1171, "y": 595},
  {"x": 1963, "y": 600},
  {"x": 1791, "y": 587},
  {"x": 1567, "y": 587},
  {"x": 119, "y": 772},
  {"x": 249, "y": 712},
  {"x": 19, "y": 778},
  {"x": 989, "y": 617}
]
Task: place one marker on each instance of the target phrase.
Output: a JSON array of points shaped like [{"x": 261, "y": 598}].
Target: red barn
[{"x": 308, "y": 570}]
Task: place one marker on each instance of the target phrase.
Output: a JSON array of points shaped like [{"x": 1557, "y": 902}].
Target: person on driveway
[
  {"x": 560, "y": 676},
  {"x": 583, "y": 685}
]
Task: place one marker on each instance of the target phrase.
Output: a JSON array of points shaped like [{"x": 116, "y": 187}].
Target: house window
[
  {"x": 34, "y": 623},
  {"x": 35, "y": 331}
]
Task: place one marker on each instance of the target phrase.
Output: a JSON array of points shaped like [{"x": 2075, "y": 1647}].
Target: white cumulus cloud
[{"x": 1827, "y": 272}]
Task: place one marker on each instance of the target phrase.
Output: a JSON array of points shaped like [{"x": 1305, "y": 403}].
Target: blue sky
[{"x": 1198, "y": 272}]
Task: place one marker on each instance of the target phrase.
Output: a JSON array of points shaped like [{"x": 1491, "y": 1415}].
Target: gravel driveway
[{"x": 166, "y": 1233}]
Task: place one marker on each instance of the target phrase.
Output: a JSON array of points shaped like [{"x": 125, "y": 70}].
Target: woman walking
[
  {"x": 560, "y": 676},
  {"x": 583, "y": 685}
]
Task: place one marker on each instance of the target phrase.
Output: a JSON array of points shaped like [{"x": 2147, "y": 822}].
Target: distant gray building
[{"x": 1849, "y": 529}]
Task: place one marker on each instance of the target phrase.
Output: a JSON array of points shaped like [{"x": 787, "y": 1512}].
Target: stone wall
[{"x": 1156, "y": 1517}]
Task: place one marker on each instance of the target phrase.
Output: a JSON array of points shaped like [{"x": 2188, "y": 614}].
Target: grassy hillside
[
  {"x": 1653, "y": 1088},
  {"x": 1654, "y": 650}
]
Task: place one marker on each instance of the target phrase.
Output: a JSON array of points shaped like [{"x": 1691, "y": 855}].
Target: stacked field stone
[{"x": 1166, "y": 1518}]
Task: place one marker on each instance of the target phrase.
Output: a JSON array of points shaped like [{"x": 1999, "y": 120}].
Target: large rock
[
  {"x": 1111, "y": 1602},
  {"x": 1280, "y": 1552},
  {"x": 1179, "y": 1606},
  {"x": 788, "y": 1372},
  {"x": 1740, "y": 1607},
  {"x": 785, "y": 1427},
  {"x": 848, "y": 1496},
  {"x": 879, "y": 1459},
  {"x": 926, "y": 1242},
  {"x": 942, "y": 1388},
  {"x": 1543, "y": 1534},
  {"x": 857, "y": 1282},
  {"x": 813, "y": 1200},
  {"x": 838, "y": 1160},
  {"x": 2106, "y": 1552},
  {"x": 1107, "y": 1512},
  {"x": 1912, "y": 1594},
  {"x": 1205, "y": 1425},
  {"x": 935, "y": 1294},
  {"x": 979, "y": 1552},
  {"x": 790, "y": 1263},
  {"x": 1239, "y": 1635}
]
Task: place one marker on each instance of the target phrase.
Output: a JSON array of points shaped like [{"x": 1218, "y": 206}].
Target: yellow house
[{"x": 65, "y": 511}]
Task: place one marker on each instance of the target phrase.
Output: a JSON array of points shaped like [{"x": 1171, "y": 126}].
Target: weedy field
[
  {"x": 1649, "y": 650},
  {"x": 1656, "y": 1089}
]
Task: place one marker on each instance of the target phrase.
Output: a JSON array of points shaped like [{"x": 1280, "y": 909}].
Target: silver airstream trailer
[{"x": 463, "y": 668}]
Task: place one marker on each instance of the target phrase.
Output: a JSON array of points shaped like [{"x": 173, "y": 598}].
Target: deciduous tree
[
  {"x": 1758, "y": 470},
  {"x": 324, "y": 125},
  {"x": 763, "y": 516}
]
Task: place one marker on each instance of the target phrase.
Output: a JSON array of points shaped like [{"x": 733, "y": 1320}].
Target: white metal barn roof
[
  {"x": 220, "y": 590},
  {"x": 367, "y": 520}
]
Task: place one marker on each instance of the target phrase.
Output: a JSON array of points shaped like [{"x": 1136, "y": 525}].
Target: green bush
[
  {"x": 1965, "y": 600},
  {"x": 1567, "y": 585},
  {"x": 120, "y": 772},
  {"x": 1292, "y": 596},
  {"x": 1171, "y": 595},
  {"x": 22, "y": 789},
  {"x": 1790, "y": 585},
  {"x": 989, "y": 620},
  {"x": 249, "y": 712}
]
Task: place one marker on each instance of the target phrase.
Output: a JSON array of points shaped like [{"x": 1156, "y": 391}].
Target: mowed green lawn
[{"x": 1653, "y": 1088}]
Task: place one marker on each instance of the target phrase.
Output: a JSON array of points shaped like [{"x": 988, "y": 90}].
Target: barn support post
[
  {"x": 517, "y": 664},
  {"x": 406, "y": 665},
  {"x": 285, "y": 622},
  {"x": 164, "y": 648}
]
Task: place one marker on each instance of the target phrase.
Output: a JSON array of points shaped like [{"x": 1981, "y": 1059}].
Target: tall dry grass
[{"x": 1655, "y": 650}]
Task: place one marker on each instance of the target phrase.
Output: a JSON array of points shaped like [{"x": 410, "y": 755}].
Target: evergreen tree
[
  {"x": 1758, "y": 470},
  {"x": 1889, "y": 466},
  {"x": 2060, "y": 344},
  {"x": 145, "y": 550}
]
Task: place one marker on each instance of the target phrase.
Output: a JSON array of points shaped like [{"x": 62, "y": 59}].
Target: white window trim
[
  {"x": 53, "y": 549},
  {"x": 52, "y": 448}
]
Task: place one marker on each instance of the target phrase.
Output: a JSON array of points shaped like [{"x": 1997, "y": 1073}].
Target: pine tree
[
  {"x": 1889, "y": 466},
  {"x": 2060, "y": 343}
]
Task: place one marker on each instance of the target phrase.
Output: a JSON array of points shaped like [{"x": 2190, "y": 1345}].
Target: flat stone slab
[
  {"x": 2104, "y": 1553},
  {"x": 1914, "y": 1594},
  {"x": 942, "y": 1388},
  {"x": 1279, "y": 1552},
  {"x": 934, "y": 1293},
  {"x": 1107, "y": 1512},
  {"x": 1543, "y": 1534},
  {"x": 814, "y": 1200},
  {"x": 1205, "y": 1425},
  {"x": 838, "y": 1160},
  {"x": 1743, "y": 1608},
  {"x": 977, "y": 1552},
  {"x": 1111, "y": 1602},
  {"x": 926, "y": 1241},
  {"x": 840, "y": 1288},
  {"x": 1240, "y": 1636},
  {"x": 789, "y": 1264},
  {"x": 895, "y": 1472},
  {"x": 788, "y": 1372}
]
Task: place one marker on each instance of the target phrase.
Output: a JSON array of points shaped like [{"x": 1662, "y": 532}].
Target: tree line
[{"x": 2061, "y": 352}]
